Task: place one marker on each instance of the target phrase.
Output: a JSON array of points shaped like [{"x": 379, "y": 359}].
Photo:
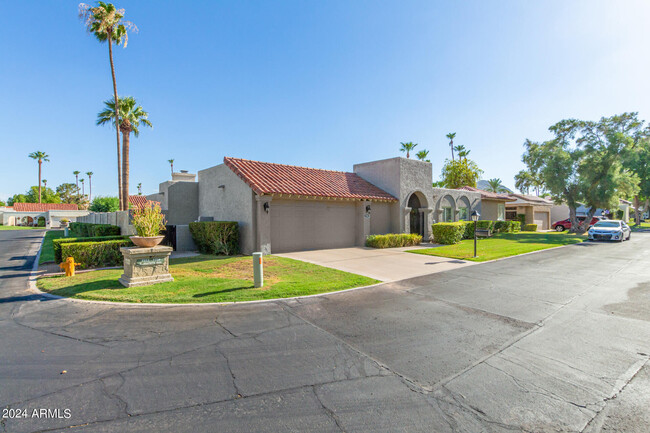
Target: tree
[
  {"x": 131, "y": 117},
  {"x": 44, "y": 183},
  {"x": 408, "y": 147},
  {"x": 422, "y": 155},
  {"x": 76, "y": 178},
  {"x": 69, "y": 193},
  {"x": 83, "y": 191},
  {"x": 637, "y": 160},
  {"x": 525, "y": 181},
  {"x": 2, "y": 203},
  {"x": 171, "y": 162},
  {"x": 31, "y": 196},
  {"x": 90, "y": 184},
  {"x": 583, "y": 163},
  {"x": 108, "y": 25},
  {"x": 40, "y": 157},
  {"x": 451, "y": 137},
  {"x": 459, "y": 173},
  {"x": 105, "y": 204},
  {"x": 495, "y": 185},
  {"x": 140, "y": 188},
  {"x": 461, "y": 151}
]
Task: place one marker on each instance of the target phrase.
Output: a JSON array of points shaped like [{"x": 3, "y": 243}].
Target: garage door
[
  {"x": 541, "y": 219},
  {"x": 310, "y": 225}
]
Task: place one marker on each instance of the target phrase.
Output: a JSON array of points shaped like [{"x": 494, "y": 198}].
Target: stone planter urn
[{"x": 146, "y": 242}]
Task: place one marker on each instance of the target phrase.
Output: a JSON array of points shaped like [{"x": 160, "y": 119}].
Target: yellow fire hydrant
[{"x": 69, "y": 266}]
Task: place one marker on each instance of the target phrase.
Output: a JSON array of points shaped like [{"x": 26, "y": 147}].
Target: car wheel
[
  {"x": 559, "y": 228},
  {"x": 629, "y": 236}
]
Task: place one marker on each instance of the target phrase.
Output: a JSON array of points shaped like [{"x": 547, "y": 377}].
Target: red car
[{"x": 560, "y": 226}]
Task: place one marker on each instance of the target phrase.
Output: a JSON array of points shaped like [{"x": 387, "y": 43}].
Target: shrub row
[
  {"x": 450, "y": 233},
  {"x": 393, "y": 240},
  {"x": 530, "y": 228},
  {"x": 88, "y": 230},
  {"x": 96, "y": 254},
  {"x": 507, "y": 226},
  {"x": 216, "y": 237},
  {"x": 56, "y": 243}
]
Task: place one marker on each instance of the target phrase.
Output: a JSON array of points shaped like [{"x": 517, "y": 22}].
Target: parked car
[
  {"x": 560, "y": 226},
  {"x": 610, "y": 230}
]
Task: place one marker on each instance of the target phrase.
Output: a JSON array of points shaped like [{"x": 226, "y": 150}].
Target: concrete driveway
[
  {"x": 557, "y": 341},
  {"x": 388, "y": 264}
]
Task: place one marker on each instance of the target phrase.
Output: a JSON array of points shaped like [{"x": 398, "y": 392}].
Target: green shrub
[
  {"x": 516, "y": 226},
  {"x": 105, "y": 230},
  {"x": 506, "y": 226},
  {"x": 216, "y": 237},
  {"x": 105, "y": 204},
  {"x": 393, "y": 240},
  {"x": 56, "y": 243},
  {"x": 530, "y": 228},
  {"x": 469, "y": 229},
  {"x": 41, "y": 222},
  {"x": 96, "y": 254},
  {"x": 485, "y": 225},
  {"x": 448, "y": 233},
  {"x": 522, "y": 219}
]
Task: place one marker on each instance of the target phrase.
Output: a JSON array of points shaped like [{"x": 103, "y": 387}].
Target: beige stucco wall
[
  {"x": 380, "y": 218},
  {"x": 234, "y": 202},
  {"x": 489, "y": 209}
]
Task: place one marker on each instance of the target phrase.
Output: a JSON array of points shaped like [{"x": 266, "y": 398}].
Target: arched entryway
[{"x": 416, "y": 222}]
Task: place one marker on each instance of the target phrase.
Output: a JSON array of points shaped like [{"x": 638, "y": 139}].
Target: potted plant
[
  {"x": 148, "y": 221},
  {"x": 64, "y": 222}
]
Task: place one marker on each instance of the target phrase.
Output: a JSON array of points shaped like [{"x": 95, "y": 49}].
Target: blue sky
[{"x": 319, "y": 84}]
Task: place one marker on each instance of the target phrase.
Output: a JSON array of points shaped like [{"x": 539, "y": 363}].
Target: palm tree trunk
[
  {"x": 451, "y": 144},
  {"x": 125, "y": 168},
  {"x": 637, "y": 212},
  {"x": 117, "y": 125},
  {"x": 172, "y": 169},
  {"x": 39, "y": 180}
]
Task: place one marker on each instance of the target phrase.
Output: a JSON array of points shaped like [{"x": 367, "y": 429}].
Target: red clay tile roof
[
  {"x": 140, "y": 200},
  {"x": 488, "y": 195},
  {"x": 270, "y": 178},
  {"x": 43, "y": 207}
]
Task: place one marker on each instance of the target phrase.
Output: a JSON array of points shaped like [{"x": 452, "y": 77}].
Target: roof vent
[{"x": 183, "y": 171}]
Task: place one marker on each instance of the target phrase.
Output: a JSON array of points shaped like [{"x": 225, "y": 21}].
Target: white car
[{"x": 610, "y": 230}]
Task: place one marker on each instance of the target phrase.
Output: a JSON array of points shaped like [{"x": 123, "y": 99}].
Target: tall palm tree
[
  {"x": 131, "y": 116},
  {"x": 451, "y": 137},
  {"x": 83, "y": 191},
  {"x": 140, "y": 188},
  {"x": 422, "y": 155},
  {"x": 408, "y": 147},
  {"x": 76, "y": 181},
  {"x": 90, "y": 184},
  {"x": 171, "y": 162},
  {"x": 461, "y": 151},
  {"x": 107, "y": 24},
  {"x": 495, "y": 185},
  {"x": 40, "y": 157},
  {"x": 45, "y": 183}
]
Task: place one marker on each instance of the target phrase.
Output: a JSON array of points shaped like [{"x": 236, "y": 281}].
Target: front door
[{"x": 416, "y": 216}]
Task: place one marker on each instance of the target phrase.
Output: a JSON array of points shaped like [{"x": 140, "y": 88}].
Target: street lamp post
[{"x": 475, "y": 217}]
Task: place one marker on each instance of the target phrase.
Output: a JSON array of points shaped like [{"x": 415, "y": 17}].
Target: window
[
  {"x": 501, "y": 213},
  {"x": 462, "y": 213},
  {"x": 446, "y": 214}
]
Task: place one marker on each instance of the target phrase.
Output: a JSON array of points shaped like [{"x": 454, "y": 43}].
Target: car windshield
[{"x": 607, "y": 224}]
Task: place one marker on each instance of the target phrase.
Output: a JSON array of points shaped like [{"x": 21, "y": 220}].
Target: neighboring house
[
  {"x": 450, "y": 205},
  {"x": 561, "y": 212},
  {"x": 493, "y": 205},
  {"x": 178, "y": 198},
  {"x": 537, "y": 210},
  {"x": 28, "y": 214}
]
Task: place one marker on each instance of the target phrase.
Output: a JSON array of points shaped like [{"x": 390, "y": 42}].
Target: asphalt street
[{"x": 553, "y": 341}]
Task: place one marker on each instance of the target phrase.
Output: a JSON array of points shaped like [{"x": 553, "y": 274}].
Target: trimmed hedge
[
  {"x": 485, "y": 225},
  {"x": 449, "y": 233},
  {"x": 56, "y": 243},
  {"x": 84, "y": 230},
  {"x": 522, "y": 219},
  {"x": 507, "y": 226},
  {"x": 529, "y": 228},
  {"x": 96, "y": 254},
  {"x": 393, "y": 240},
  {"x": 216, "y": 237},
  {"x": 469, "y": 229}
]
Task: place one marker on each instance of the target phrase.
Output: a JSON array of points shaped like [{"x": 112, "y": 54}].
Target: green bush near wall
[
  {"x": 469, "y": 229},
  {"x": 56, "y": 243},
  {"x": 96, "y": 254},
  {"x": 448, "y": 233},
  {"x": 393, "y": 240},
  {"x": 507, "y": 226},
  {"x": 522, "y": 219},
  {"x": 84, "y": 230},
  {"x": 529, "y": 228},
  {"x": 216, "y": 237},
  {"x": 485, "y": 225}
]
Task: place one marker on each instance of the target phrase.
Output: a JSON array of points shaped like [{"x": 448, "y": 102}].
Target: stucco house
[
  {"x": 537, "y": 210},
  {"x": 493, "y": 205},
  {"x": 28, "y": 214},
  {"x": 283, "y": 208}
]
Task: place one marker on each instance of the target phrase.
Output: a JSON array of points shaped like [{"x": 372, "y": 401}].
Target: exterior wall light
[
  {"x": 368, "y": 209},
  {"x": 266, "y": 207}
]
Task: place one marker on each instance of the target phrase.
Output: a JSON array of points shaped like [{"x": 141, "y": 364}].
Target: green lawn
[
  {"x": 642, "y": 227},
  {"x": 210, "y": 279},
  {"x": 20, "y": 228},
  {"x": 502, "y": 245},
  {"x": 47, "y": 253}
]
